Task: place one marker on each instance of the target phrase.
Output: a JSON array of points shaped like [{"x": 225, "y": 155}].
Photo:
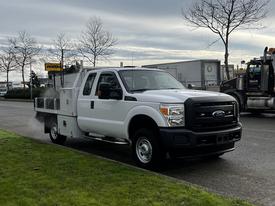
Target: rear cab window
[{"x": 89, "y": 84}]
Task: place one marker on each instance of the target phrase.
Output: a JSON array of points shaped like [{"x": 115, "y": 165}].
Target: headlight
[{"x": 174, "y": 114}]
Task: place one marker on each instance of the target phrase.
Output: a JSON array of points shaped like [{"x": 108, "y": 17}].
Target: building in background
[{"x": 201, "y": 74}]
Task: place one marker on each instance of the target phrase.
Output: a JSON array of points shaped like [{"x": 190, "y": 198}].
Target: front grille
[{"x": 203, "y": 116}]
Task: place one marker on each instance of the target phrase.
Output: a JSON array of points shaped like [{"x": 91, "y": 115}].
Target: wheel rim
[
  {"x": 54, "y": 133},
  {"x": 144, "y": 150}
]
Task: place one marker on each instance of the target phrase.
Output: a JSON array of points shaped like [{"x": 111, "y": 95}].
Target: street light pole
[{"x": 62, "y": 62}]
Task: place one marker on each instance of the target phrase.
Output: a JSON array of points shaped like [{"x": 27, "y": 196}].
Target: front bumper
[{"x": 184, "y": 142}]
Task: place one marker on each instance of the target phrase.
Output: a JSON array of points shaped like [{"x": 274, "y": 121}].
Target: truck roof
[{"x": 121, "y": 68}]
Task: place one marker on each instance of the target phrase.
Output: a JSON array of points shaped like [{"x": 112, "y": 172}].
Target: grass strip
[{"x": 33, "y": 173}]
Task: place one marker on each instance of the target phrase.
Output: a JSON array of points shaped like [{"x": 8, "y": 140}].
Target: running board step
[{"x": 108, "y": 140}]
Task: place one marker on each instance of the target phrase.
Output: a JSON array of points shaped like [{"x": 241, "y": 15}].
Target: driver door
[{"x": 109, "y": 114}]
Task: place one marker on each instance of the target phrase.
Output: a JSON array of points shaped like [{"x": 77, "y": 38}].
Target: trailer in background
[{"x": 201, "y": 74}]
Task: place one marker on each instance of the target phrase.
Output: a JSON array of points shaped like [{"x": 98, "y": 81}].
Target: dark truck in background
[{"x": 254, "y": 89}]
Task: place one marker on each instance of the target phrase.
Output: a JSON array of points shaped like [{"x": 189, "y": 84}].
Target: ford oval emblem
[{"x": 218, "y": 113}]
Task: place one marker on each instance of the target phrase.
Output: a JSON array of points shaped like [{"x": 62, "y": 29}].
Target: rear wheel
[
  {"x": 146, "y": 149},
  {"x": 54, "y": 136}
]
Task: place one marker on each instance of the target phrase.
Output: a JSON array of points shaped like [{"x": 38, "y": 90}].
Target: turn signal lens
[{"x": 164, "y": 111}]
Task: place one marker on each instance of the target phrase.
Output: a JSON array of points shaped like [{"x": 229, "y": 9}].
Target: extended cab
[{"x": 147, "y": 109}]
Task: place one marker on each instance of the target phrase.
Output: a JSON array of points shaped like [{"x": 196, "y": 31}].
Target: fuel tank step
[{"x": 111, "y": 140}]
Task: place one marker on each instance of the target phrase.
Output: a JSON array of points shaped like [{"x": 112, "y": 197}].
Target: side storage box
[
  {"x": 68, "y": 100},
  {"x": 67, "y": 125}
]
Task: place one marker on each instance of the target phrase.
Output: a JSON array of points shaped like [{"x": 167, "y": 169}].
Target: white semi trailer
[
  {"x": 147, "y": 109},
  {"x": 201, "y": 74}
]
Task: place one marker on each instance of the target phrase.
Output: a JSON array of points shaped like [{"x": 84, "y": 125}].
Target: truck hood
[{"x": 174, "y": 95}]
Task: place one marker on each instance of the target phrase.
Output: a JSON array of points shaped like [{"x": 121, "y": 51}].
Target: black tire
[
  {"x": 146, "y": 149},
  {"x": 54, "y": 136},
  {"x": 238, "y": 102},
  {"x": 255, "y": 112}
]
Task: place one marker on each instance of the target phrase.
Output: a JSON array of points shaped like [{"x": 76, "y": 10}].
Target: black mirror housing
[
  {"x": 116, "y": 94},
  {"x": 106, "y": 92}
]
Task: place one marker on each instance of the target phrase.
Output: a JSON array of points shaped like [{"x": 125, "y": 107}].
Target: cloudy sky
[{"x": 148, "y": 31}]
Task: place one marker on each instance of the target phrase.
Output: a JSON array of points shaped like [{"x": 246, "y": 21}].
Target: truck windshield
[
  {"x": 255, "y": 69},
  {"x": 142, "y": 80}
]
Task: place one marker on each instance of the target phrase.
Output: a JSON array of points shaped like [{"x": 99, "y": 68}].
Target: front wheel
[
  {"x": 54, "y": 136},
  {"x": 146, "y": 149}
]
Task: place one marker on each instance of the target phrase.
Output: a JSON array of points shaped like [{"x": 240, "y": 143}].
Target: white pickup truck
[{"x": 145, "y": 108}]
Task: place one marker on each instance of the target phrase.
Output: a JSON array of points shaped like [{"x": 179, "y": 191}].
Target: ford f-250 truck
[{"x": 147, "y": 109}]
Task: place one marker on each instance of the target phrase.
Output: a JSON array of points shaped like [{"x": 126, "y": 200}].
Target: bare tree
[
  {"x": 63, "y": 48},
  {"x": 96, "y": 43},
  {"x": 7, "y": 62},
  {"x": 25, "y": 48},
  {"x": 223, "y": 17}
]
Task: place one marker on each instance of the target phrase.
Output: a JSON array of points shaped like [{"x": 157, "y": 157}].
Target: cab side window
[
  {"x": 89, "y": 84},
  {"x": 254, "y": 80}
]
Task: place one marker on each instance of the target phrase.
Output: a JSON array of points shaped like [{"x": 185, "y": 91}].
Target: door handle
[{"x": 92, "y": 104}]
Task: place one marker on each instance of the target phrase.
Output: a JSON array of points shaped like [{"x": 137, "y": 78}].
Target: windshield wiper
[
  {"x": 139, "y": 90},
  {"x": 172, "y": 88}
]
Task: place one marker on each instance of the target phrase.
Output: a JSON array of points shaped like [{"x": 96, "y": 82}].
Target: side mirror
[
  {"x": 104, "y": 90},
  {"x": 116, "y": 94}
]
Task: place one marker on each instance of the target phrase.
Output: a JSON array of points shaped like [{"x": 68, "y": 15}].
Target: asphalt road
[{"x": 247, "y": 173}]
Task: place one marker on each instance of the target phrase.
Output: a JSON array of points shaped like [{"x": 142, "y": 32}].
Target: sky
[{"x": 148, "y": 31}]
